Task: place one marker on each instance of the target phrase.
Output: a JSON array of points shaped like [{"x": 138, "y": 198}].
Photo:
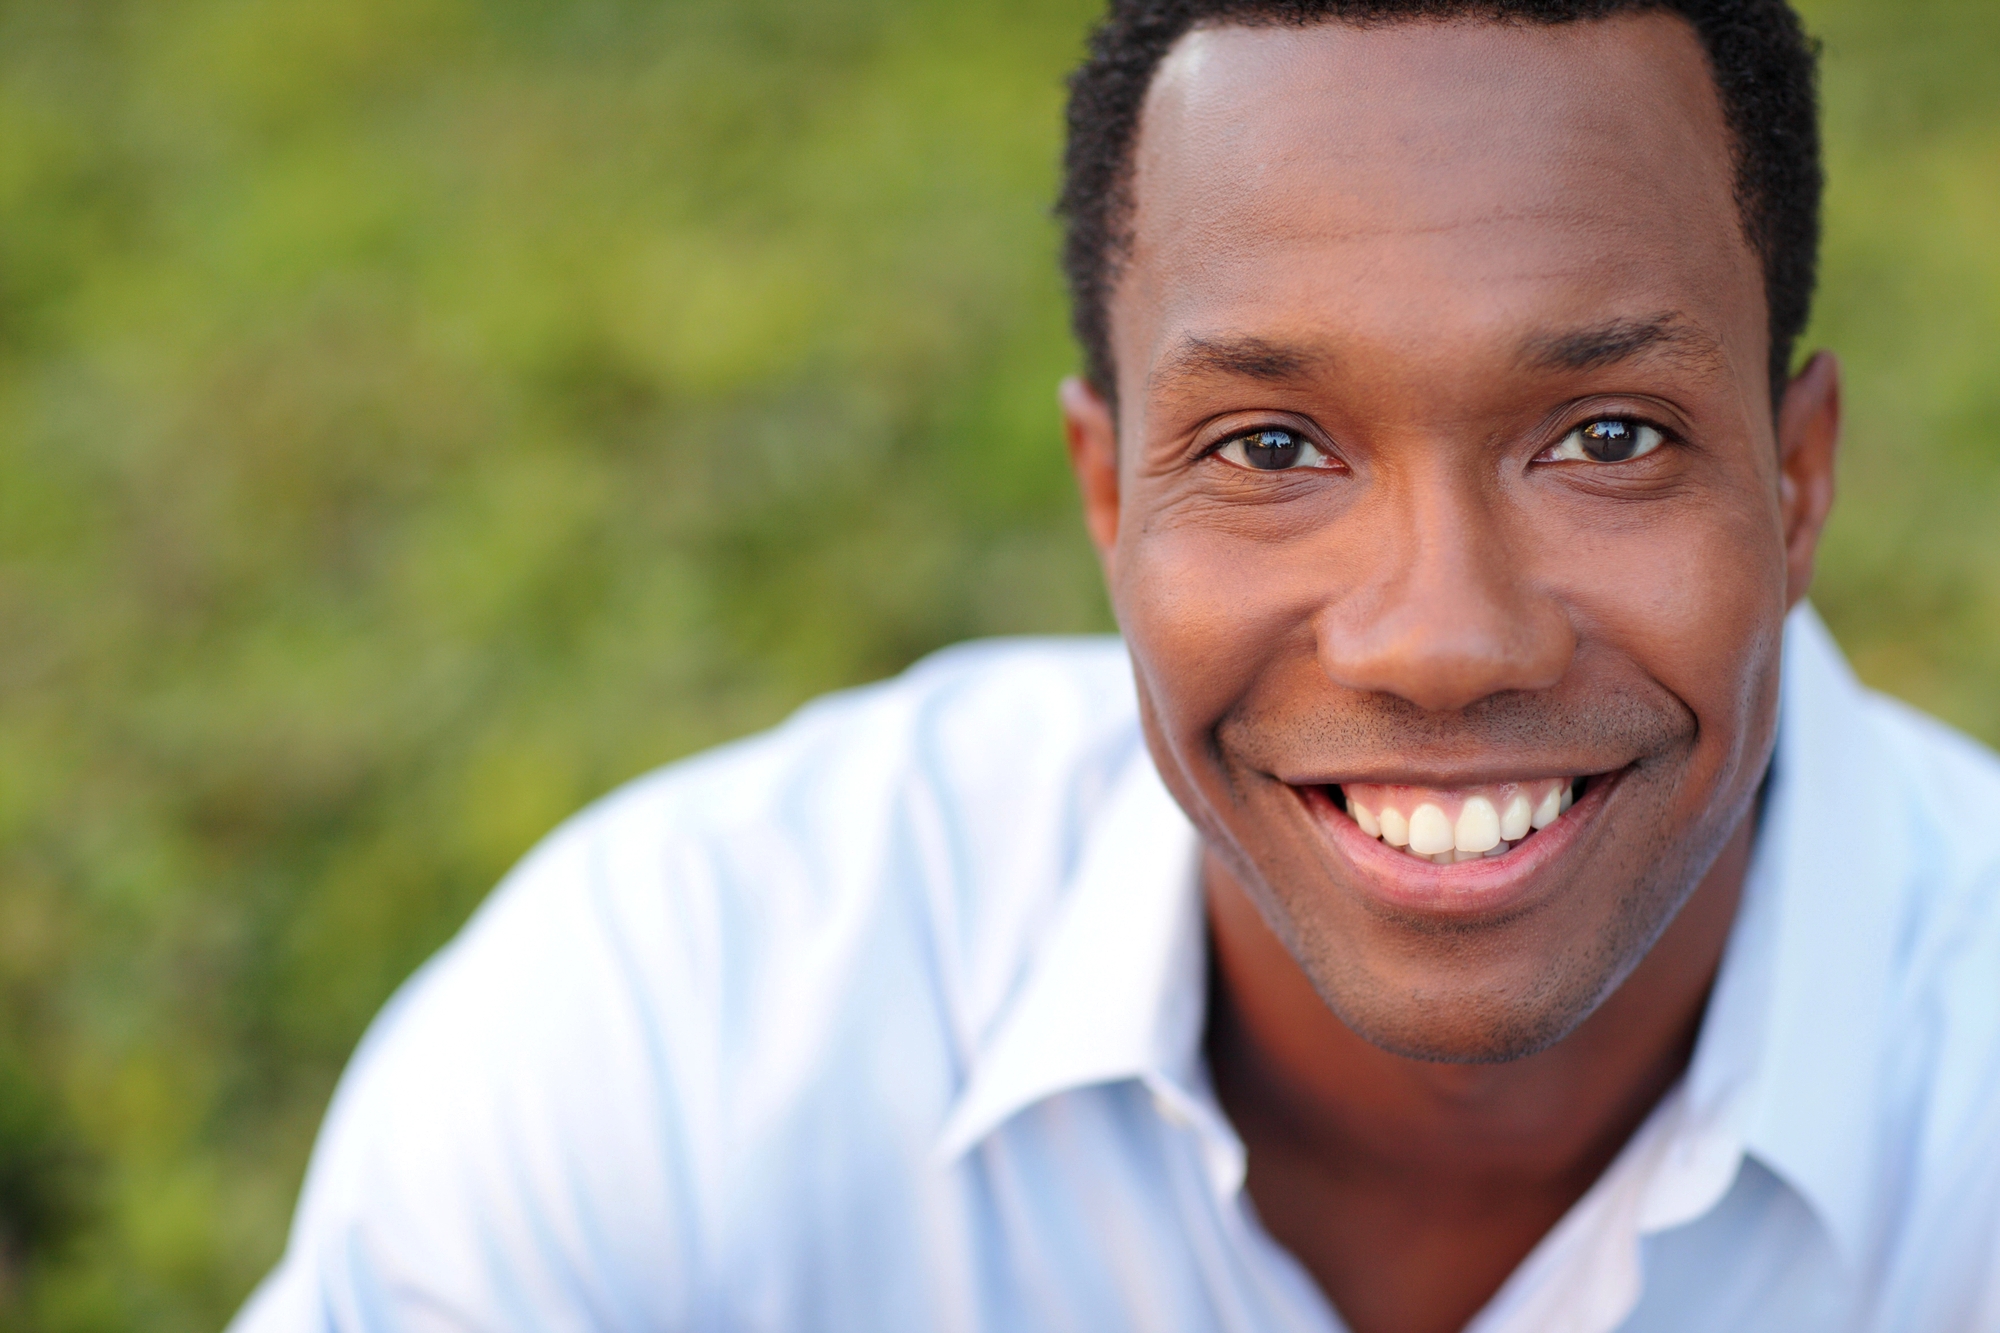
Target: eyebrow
[
  {"x": 1620, "y": 340},
  {"x": 1243, "y": 356},
  {"x": 1246, "y": 356}
]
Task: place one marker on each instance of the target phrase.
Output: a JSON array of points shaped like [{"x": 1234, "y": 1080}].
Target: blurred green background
[{"x": 417, "y": 416}]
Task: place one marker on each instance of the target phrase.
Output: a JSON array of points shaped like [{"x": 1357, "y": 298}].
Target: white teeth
[
  {"x": 1478, "y": 829},
  {"x": 1449, "y": 825},
  {"x": 1430, "y": 831},
  {"x": 1365, "y": 818}
]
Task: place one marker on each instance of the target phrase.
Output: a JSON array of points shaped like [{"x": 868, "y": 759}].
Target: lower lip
[{"x": 1489, "y": 886}]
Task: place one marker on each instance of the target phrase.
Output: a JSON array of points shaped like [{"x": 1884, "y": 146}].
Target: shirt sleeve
[{"x": 507, "y": 1148}]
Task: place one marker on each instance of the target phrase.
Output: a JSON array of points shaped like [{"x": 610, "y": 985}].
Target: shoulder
[
  {"x": 1938, "y": 792},
  {"x": 855, "y": 803},
  {"x": 950, "y": 799},
  {"x": 1949, "y": 784},
  {"x": 700, "y": 973},
  {"x": 1001, "y": 727},
  {"x": 1943, "y": 1057}
]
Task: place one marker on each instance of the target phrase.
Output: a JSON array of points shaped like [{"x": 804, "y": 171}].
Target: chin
[
  {"x": 1458, "y": 1012},
  {"x": 1466, "y": 1032}
]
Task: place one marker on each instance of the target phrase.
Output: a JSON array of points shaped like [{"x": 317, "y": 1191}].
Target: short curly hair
[{"x": 1765, "y": 68}]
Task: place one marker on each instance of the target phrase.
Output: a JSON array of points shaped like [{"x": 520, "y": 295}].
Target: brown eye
[
  {"x": 1608, "y": 440},
  {"x": 1273, "y": 449}
]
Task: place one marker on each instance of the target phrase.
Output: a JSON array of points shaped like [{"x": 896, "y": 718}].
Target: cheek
[
  {"x": 1206, "y": 614},
  {"x": 1696, "y": 600}
]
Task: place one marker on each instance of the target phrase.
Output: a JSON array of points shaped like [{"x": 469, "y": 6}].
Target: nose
[{"x": 1443, "y": 607}]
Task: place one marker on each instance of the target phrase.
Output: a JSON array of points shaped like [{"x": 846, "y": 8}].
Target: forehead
[{"x": 1428, "y": 183}]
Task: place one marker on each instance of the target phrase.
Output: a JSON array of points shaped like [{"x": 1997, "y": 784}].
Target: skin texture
[{"x": 1433, "y": 250}]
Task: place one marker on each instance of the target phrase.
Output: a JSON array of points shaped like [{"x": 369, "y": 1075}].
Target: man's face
[{"x": 1444, "y": 484}]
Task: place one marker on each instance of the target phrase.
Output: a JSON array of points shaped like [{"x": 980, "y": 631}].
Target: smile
[
  {"x": 1459, "y": 850},
  {"x": 1445, "y": 825}
]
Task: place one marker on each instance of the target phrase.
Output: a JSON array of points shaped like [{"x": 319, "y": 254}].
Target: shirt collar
[
  {"x": 1787, "y": 1057},
  {"x": 1119, "y": 989},
  {"x": 1797, "y": 1026}
]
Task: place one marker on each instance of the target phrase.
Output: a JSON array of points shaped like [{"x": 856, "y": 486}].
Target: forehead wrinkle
[
  {"x": 1597, "y": 345},
  {"x": 1241, "y": 356}
]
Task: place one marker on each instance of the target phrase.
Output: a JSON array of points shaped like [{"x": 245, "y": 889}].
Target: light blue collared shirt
[{"x": 890, "y": 1020}]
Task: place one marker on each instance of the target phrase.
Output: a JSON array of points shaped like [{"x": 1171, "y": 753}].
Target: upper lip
[{"x": 1402, "y": 775}]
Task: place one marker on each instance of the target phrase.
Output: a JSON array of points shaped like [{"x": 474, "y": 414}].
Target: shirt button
[{"x": 1170, "y": 1110}]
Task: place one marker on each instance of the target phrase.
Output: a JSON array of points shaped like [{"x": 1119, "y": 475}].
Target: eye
[
  {"x": 1273, "y": 449},
  {"x": 1608, "y": 440}
]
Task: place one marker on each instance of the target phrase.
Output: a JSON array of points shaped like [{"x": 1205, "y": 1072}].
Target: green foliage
[
  {"x": 1910, "y": 580},
  {"x": 417, "y": 416}
]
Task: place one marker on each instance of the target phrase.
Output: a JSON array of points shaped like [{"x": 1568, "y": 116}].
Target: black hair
[{"x": 1765, "y": 70}]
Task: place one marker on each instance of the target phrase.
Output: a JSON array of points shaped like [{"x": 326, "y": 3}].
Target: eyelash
[
  {"x": 1639, "y": 426},
  {"x": 1329, "y": 461}
]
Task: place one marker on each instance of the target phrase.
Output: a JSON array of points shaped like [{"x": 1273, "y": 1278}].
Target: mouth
[
  {"x": 1446, "y": 825},
  {"x": 1463, "y": 851}
]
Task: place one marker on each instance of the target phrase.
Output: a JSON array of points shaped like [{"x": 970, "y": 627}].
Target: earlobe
[
  {"x": 1808, "y": 439},
  {"x": 1093, "y": 455}
]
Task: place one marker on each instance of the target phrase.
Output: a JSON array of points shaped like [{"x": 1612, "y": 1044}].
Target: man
[{"x": 1480, "y": 900}]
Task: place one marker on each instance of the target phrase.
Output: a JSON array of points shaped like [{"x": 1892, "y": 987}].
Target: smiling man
[{"x": 1473, "y": 895}]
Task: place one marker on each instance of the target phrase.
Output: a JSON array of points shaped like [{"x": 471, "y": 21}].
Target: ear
[
  {"x": 1093, "y": 455},
  {"x": 1808, "y": 436}
]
